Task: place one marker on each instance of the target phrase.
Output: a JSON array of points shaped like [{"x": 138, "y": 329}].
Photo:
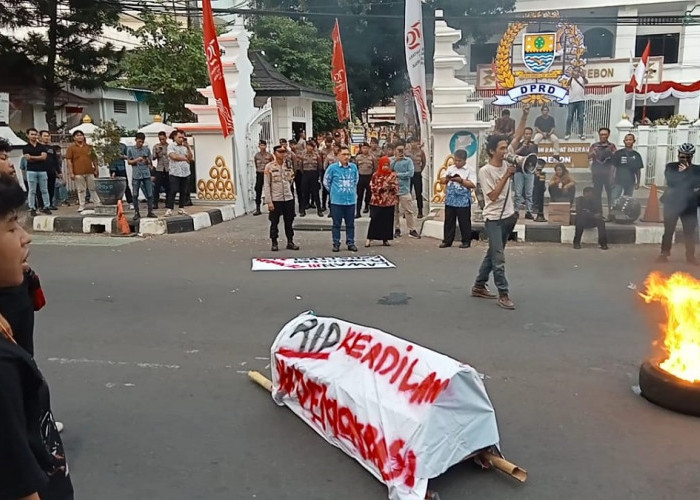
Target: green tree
[
  {"x": 62, "y": 48},
  {"x": 106, "y": 142},
  {"x": 170, "y": 62},
  {"x": 374, "y": 46},
  {"x": 295, "y": 48}
]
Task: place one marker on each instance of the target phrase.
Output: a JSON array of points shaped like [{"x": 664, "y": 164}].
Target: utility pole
[{"x": 194, "y": 18}]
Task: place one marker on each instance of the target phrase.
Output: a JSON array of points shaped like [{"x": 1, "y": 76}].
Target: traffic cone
[
  {"x": 652, "y": 212},
  {"x": 122, "y": 223}
]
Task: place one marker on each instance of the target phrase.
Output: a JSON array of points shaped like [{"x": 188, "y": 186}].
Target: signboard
[
  {"x": 571, "y": 154},
  {"x": 322, "y": 263},
  {"x": 599, "y": 72},
  {"x": 404, "y": 412},
  {"x": 549, "y": 61},
  {"x": 465, "y": 140},
  {"x": 5, "y": 108}
]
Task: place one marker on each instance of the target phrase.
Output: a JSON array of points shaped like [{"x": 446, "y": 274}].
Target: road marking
[
  {"x": 82, "y": 240},
  {"x": 84, "y": 361}
]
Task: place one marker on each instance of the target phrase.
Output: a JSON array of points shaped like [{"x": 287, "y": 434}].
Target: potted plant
[{"x": 106, "y": 143}]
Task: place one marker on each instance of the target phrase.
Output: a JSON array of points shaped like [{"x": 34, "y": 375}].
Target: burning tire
[{"x": 669, "y": 391}]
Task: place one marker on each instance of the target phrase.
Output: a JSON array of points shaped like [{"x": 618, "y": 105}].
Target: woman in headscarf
[{"x": 385, "y": 188}]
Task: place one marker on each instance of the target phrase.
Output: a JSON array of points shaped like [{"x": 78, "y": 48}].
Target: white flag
[
  {"x": 640, "y": 72},
  {"x": 415, "y": 57}
]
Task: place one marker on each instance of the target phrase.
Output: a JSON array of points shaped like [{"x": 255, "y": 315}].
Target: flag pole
[
  {"x": 646, "y": 91},
  {"x": 634, "y": 91}
]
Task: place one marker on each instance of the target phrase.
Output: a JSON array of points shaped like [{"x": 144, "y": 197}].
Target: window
[
  {"x": 481, "y": 53},
  {"x": 599, "y": 42},
  {"x": 119, "y": 106},
  {"x": 661, "y": 45}
]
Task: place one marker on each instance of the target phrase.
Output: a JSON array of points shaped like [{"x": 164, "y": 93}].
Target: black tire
[{"x": 669, "y": 391}]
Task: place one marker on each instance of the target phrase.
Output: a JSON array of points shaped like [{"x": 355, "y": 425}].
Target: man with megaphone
[{"x": 500, "y": 216}]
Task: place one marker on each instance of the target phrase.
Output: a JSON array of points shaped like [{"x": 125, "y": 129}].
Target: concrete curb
[
  {"x": 556, "y": 233},
  {"x": 162, "y": 225}
]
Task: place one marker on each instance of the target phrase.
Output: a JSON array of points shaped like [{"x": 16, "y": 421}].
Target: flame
[{"x": 680, "y": 296}]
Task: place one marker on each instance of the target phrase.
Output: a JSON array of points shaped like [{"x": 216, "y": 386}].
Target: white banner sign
[
  {"x": 404, "y": 412},
  {"x": 415, "y": 57},
  {"x": 4, "y": 108},
  {"x": 322, "y": 263},
  {"x": 557, "y": 93}
]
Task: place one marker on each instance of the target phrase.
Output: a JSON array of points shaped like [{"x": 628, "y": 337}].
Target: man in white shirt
[
  {"x": 577, "y": 101},
  {"x": 179, "y": 156}
]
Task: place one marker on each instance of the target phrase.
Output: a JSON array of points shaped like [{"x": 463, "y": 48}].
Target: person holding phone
[{"x": 459, "y": 180}]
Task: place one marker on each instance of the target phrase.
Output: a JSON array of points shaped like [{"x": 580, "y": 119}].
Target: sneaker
[
  {"x": 540, "y": 218},
  {"x": 59, "y": 426},
  {"x": 32, "y": 212},
  {"x": 577, "y": 246},
  {"x": 257, "y": 212},
  {"x": 567, "y": 137},
  {"x": 445, "y": 245},
  {"x": 662, "y": 258},
  {"x": 397, "y": 233},
  {"x": 151, "y": 215},
  {"x": 582, "y": 137},
  {"x": 336, "y": 248},
  {"x": 53, "y": 208},
  {"x": 168, "y": 212},
  {"x": 352, "y": 248},
  {"x": 81, "y": 209},
  {"x": 275, "y": 247},
  {"x": 528, "y": 215},
  {"x": 181, "y": 211},
  {"x": 604, "y": 246},
  {"x": 131, "y": 206},
  {"x": 358, "y": 215},
  {"x": 137, "y": 216},
  {"x": 46, "y": 211},
  {"x": 366, "y": 210},
  {"x": 319, "y": 213},
  {"x": 465, "y": 245},
  {"x": 292, "y": 246},
  {"x": 302, "y": 214},
  {"x": 414, "y": 234},
  {"x": 482, "y": 292},
  {"x": 420, "y": 214},
  {"x": 505, "y": 302}
]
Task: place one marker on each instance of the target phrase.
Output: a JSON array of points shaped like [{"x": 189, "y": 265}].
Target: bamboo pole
[
  {"x": 260, "y": 379},
  {"x": 505, "y": 466}
]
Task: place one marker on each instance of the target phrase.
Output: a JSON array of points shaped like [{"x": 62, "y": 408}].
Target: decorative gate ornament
[{"x": 549, "y": 58}]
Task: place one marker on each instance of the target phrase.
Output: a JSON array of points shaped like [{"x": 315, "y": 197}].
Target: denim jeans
[
  {"x": 575, "y": 108},
  {"x": 338, "y": 213},
  {"x": 146, "y": 185},
  {"x": 42, "y": 180},
  {"x": 523, "y": 185},
  {"x": 497, "y": 232}
]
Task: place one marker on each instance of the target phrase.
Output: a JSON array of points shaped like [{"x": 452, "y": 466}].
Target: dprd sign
[{"x": 549, "y": 60}]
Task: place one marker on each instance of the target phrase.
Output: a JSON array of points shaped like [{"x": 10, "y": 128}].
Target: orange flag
[
  {"x": 216, "y": 70},
  {"x": 340, "y": 77}
]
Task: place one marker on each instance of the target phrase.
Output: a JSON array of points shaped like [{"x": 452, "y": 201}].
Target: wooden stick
[
  {"x": 499, "y": 463},
  {"x": 505, "y": 466},
  {"x": 260, "y": 379}
]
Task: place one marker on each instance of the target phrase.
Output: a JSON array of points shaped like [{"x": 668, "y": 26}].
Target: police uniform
[
  {"x": 367, "y": 165},
  {"x": 310, "y": 167},
  {"x": 261, "y": 160},
  {"x": 277, "y": 185}
]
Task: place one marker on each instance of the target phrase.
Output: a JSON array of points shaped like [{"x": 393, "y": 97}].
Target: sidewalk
[{"x": 68, "y": 220}]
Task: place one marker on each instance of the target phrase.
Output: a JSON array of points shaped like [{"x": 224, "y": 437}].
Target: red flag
[
  {"x": 640, "y": 71},
  {"x": 216, "y": 70},
  {"x": 340, "y": 78}
]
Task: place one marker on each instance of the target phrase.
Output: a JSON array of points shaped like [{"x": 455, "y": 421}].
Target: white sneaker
[
  {"x": 131, "y": 207},
  {"x": 168, "y": 212},
  {"x": 59, "y": 426},
  {"x": 182, "y": 211},
  {"x": 81, "y": 208}
]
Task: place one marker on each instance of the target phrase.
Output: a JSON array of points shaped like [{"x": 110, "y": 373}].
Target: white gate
[{"x": 259, "y": 128}]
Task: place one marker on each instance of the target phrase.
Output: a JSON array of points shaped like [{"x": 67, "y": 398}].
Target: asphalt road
[{"x": 145, "y": 344}]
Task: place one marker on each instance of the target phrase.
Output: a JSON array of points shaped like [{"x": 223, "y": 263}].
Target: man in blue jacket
[
  {"x": 341, "y": 180},
  {"x": 403, "y": 166}
]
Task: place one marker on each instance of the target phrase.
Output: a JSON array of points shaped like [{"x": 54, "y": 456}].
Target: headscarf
[{"x": 384, "y": 167}]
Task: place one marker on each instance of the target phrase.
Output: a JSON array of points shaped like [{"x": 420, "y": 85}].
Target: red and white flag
[
  {"x": 216, "y": 69},
  {"x": 340, "y": 78},
  {"x": 415, "y": 57},
  {"x": 639, "y": 76}
]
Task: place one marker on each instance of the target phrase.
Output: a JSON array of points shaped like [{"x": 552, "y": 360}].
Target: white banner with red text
[
  {"x": 404, "y": 412},
  {"x": 321, "y": 263}
]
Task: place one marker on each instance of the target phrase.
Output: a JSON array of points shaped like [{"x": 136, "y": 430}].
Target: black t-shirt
[
  {"x": 627, "y": 164},
  {"x": 31, "y": 451},
  {"x": 53, "y": 161},
  {"x": 544, "y": 123},
  {"x": 35, "y": 166},
  {"x": 18, "y": 309}
]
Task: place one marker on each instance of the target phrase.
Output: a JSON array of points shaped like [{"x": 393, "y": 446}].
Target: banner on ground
[
  {"x": 340, "y": 77},
  {"x": 404, "y": 412},
  {"x": 322, "y": 263},
  {"x": 216, "y": 69}
]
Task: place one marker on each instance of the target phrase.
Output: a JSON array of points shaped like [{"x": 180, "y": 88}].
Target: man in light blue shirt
[
  {"x": 341, "y": 180},
  {"x": 403, "y": 166},
  {"x": 139, "y": 157}
]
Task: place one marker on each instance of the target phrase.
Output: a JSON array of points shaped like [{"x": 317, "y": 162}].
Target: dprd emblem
[{"x": 538, "y": 51}]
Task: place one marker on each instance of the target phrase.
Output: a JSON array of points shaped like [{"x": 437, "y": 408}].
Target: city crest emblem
[{"x": 538, "y": 51}]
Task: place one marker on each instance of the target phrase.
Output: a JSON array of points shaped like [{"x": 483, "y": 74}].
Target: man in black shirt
[
  {"x": 32, "y": 460},
  {"x": 628, "y": 169},
  {"x": 36, "y": 156},
  {"x": 544, "y": 130},
  {"x": 53, "y": 165},
  {"x": 588, "y": 214}
]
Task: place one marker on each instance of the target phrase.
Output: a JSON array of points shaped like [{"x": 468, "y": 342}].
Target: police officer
[
  {"x": 311, "y": 166},
  {"x": 261, "y": 158},
  {"x": 367, "y": 165},
  {"x": 277, "y": 185}
]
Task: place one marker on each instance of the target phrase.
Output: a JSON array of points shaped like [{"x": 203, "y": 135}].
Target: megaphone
[{"x": 527, "y": 163}]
